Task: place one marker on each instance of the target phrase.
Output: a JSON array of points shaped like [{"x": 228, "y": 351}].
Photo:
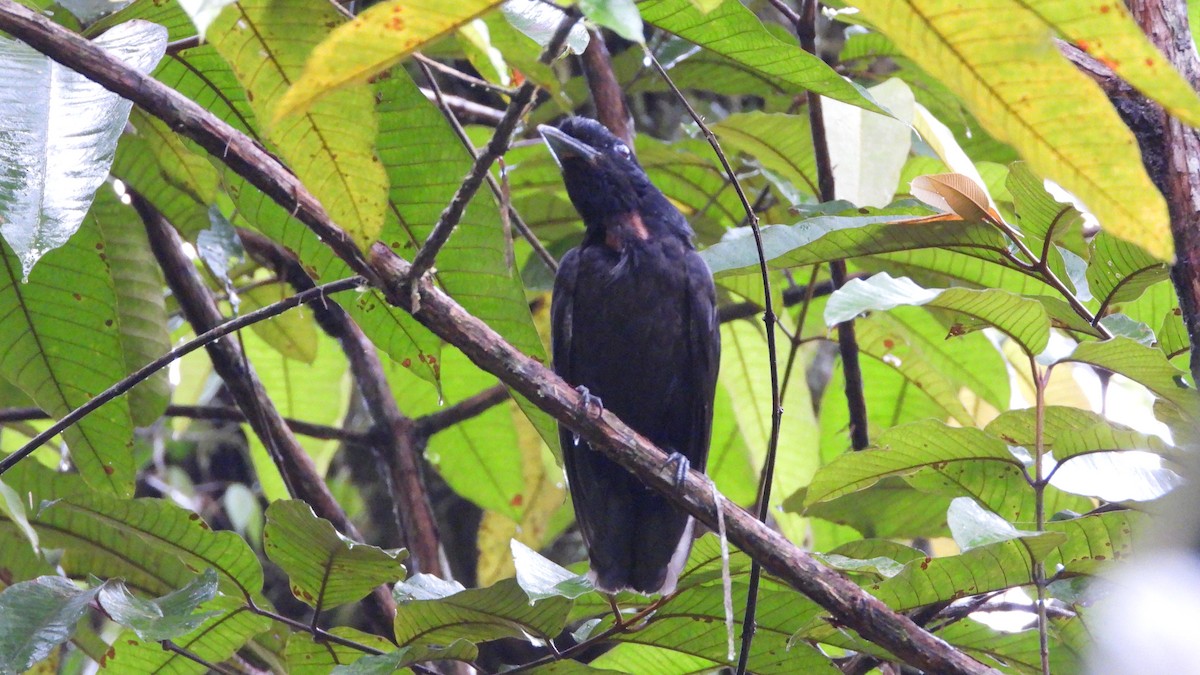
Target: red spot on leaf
[
  {"x": 407, "y": 363},
  {"x": 109, "y": 470},
  {"x": 517, "y": 500},
  {"x": 889, "y": 343}
]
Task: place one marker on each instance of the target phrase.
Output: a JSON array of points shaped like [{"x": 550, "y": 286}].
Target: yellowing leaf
[
  {"x": 1105, "y": 30},
  {"x": 331, "y": 146},
  {"x": 997, "y": 55},
  {"x": 374, "y": 41}
]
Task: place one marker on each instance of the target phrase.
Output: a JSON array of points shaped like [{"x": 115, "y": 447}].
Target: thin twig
[
  {"x": 1039, "y": 494},
  {"x": 480, "y": 170},
  {"x": 452, "y": 118},
  {"x": 211, "y": 413},
  {"x": 317, "y": 632},
  {"x": 193, "y": 656},
  {"x": 460, "y": 75},
  {"x": 618, "y": 627},
  {"x": 143, "y": 373},
  {"x": 768, "y": 472},
  {"x": 463, "y": 410}
]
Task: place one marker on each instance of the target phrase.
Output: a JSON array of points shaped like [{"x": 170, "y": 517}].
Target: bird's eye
[{"x": 622, "y": 150}]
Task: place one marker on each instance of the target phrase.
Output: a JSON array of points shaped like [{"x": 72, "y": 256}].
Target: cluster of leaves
[{"x": 976, "y": 323}]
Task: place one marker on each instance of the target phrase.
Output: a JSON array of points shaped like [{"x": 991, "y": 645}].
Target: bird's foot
[
  {"x": 592, "y": 405},
  {"x": 616, "y": 610},
  {"x": 681, "y": 465}
]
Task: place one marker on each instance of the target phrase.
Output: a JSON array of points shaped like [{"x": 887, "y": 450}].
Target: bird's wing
[
  {"x": 562, "y": 320},
  {"x": 704, "y": 338}
]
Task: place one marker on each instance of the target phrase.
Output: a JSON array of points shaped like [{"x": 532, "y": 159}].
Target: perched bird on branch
[{"x": 634, "y": 324}]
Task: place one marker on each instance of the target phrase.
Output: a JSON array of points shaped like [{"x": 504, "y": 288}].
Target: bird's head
[{"x": 604, "y": 180}]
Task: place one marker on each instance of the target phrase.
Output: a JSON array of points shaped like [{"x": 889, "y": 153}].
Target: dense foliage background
[{"x": 1022, "y": 354}]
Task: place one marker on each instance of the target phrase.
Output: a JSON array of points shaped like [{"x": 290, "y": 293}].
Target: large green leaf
[
  {"x": 827, "y": 238},
  {"x": 36, "y": 617},
  {"x": 1092, "y": 540},
  {"x": 431, "y": 611},
  {"x": 1071, "y": 432},
  {"x": 138, "y": 284},
  {"x": 1002, "y": 488},
  {"x": 745, "y": 376},
  {"x": 325, "y": 568},
  {"x": 305, "y": 656},
  {"x": 1069, "y": 132},
  {"x": 61, "y": 344},
  {"x": 60, "y": 131},
  {"x": 733, "y": 31},
  {"x": 780, "y": 143},
  {"x": 889, "y": 508},
  {"x": 1022, "y": 319},
  {"x": 330, "y": 147},
  {"x": 902, "y": 450}
]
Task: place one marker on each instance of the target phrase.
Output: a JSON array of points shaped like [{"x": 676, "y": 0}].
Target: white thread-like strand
[{"x": 726, "y": 581}]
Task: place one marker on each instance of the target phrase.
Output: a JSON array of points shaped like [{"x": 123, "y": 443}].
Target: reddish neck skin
[{"x": 623, "y": 228}]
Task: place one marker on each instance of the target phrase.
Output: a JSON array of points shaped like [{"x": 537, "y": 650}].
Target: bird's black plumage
[{"x": 634, "y": 321}]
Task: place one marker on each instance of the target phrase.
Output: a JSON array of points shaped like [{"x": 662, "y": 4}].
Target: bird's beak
[{"x": 564, "y": 147}]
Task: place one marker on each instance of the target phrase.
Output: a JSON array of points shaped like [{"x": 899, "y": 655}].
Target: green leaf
[
  {"x": 36, "y": 617},
  {"x": 142, "y": 314},
  {"x": 973, "y": 526},
  {"x": 733, "y": 31},
  {"x": 1110, "y": 34},
  {"x": 1095, "y": 539},
  {"x": 827, "y": 238},
  {"x": 889, "y": 508},
  {"x": 229, "y": 627},
  {"x": 386, "y": 664},
  {"x": 778, "y": 142},
  {"x": 868, "y": 150},
  {"x": 745, "y": 376},
  {"x": 165, "y": 618},
  {"x": 13, "y": 509},
  {"x": 1071, "y": 432},
  {"x": 541, "y": 578},
  {"x": 1022, "y": 319},
  {"x": 902, "y": 450},
  {"x": 325, "y": 569},
  {"x": 1120, "y": 271},
  {"x": 1041, "y": 216},
  {"x": 330, "y": 147},
  {"x": 620, "y": 16},
  {"x": 434, "y": 612},
  {"x": 154, "y": 544},
  {"x": 1071, "y": 134},
  {"x": 61, "y": 344},
  {"x": 377, "y": 38},
  {"x": 539, "y": 21},
  {"x": 292, "y": 334},
  {"x": 306, "y": 656},
  {"x": 1003, "y": 489},
  {"x": 60, "y": 132}
]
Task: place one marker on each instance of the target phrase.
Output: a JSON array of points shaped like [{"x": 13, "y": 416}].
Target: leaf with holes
[{"x": 325, "y": 569}]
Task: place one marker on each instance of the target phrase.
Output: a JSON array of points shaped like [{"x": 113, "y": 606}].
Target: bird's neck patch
[{"x": 623, "y": 228}]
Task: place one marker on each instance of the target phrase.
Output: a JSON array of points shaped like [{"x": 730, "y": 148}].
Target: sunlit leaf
[{"x": 431, "y": 611}]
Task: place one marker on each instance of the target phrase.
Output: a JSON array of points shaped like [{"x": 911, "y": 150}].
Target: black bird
[{"x": 634, "y": 325}]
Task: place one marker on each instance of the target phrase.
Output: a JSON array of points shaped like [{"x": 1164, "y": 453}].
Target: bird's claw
[
  {"x": 592, "y": 405},
  {"x": 681, "y": 464}
]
